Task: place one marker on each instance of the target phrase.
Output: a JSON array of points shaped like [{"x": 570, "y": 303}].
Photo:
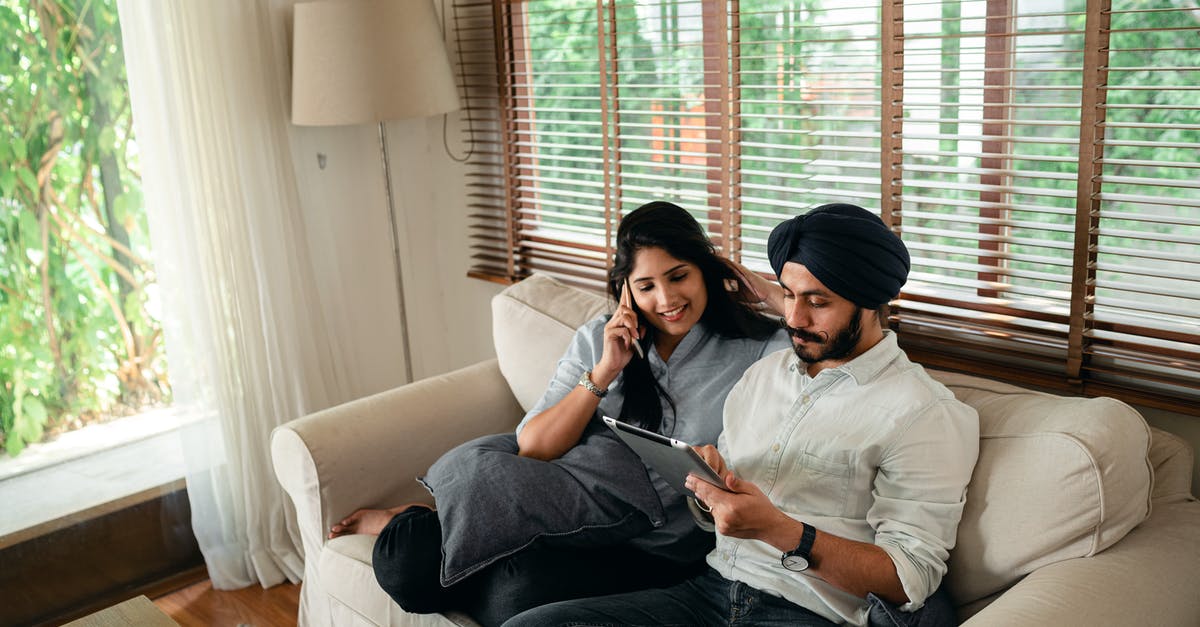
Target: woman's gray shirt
[{"x": 698, "y": 376}]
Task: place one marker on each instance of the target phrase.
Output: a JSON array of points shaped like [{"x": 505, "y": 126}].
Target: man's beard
[{"x": 840, "y": 347}]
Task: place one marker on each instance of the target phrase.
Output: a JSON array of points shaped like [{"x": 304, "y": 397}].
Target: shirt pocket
[{"x": 820, "y": 483}]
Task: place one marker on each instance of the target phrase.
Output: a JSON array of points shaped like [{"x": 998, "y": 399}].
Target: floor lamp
[{"x": 363, "y": 61}]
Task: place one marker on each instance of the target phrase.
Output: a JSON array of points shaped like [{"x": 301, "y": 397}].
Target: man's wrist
[
  {"x": 785, "y": 534},
  {"x": 799, "y": 559}
]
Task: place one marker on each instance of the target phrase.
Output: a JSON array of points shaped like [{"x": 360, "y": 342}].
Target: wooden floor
[{"x": 198, "y": 605}]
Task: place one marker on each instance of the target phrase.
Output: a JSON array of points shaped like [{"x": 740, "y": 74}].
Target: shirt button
[
  {"x": 775, "y": 448},
  {"x": 804, "y": 399}
]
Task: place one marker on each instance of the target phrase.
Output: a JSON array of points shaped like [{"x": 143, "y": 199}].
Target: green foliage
[{"x": 78, "y": 339}]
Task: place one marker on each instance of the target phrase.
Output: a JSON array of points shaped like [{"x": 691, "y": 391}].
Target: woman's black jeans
[{"x": 407, "y": 561}]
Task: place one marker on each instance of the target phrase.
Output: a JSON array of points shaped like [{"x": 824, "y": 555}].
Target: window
[
  {"x": 80, "y": 339},
  {"x": 100, "y": 511},
  {"x": 1038, "y": 158}
]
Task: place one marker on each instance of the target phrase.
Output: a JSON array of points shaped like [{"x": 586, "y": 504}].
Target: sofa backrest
[
  {"x": 1058, "y": 477},
  {"x": 532, "y": 323}
]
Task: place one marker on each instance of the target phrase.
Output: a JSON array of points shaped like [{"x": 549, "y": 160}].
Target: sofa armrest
[
  {"x": 368, "y": 452},
  {"x": 1147, "y": 577}
]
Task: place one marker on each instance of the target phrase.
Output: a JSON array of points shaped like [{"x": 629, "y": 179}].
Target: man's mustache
[{"x": 818, "y": 338}]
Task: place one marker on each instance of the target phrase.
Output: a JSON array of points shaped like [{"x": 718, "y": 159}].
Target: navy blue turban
[{"x": 849, "y": 249}]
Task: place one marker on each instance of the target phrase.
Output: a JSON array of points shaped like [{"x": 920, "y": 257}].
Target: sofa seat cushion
[
  {"x": 532, "y": 325},
  {"x": 349, "y": 579},
  {"x": 347, "y": 576},
  {"x": 1057, "y": 478},
  {"x": 1148, "y": 578}
]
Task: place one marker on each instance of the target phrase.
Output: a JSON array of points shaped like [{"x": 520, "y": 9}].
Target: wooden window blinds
[{"x": 1041, "y": 160}]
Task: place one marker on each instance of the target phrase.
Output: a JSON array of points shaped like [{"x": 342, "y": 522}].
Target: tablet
[{"x": 670, "y": 458}]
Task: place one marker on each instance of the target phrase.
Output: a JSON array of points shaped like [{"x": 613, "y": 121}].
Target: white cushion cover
[
  {"x": 1057, "y": 478},
  {"x": 533, "y": 322}
]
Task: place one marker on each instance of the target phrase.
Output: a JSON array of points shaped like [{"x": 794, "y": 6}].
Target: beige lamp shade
[{"x": 358, "y": 61}]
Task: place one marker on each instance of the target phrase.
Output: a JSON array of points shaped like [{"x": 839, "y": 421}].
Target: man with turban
[{"x": 845, "y": 465}]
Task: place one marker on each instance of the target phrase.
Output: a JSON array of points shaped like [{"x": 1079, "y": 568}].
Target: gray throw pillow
[{"x": 492, "y": 503}]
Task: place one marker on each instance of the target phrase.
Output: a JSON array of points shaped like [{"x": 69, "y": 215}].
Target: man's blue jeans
[{"x": 708, "y": 599}]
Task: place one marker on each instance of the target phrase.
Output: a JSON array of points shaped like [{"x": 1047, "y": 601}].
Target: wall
[
  {"x": 345, "y": 211},
  {"x": 450, "y": 316}
]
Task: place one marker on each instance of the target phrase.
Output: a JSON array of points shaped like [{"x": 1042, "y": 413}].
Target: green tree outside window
[{"x": 78, "y": 339}]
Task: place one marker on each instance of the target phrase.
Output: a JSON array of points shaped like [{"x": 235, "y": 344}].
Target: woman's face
[{"x": 669, "y": 292}]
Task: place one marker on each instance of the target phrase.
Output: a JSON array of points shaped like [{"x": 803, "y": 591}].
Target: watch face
[{"x": 795, "y": 562}]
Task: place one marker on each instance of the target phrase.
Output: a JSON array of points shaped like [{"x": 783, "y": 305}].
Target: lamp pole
[{"x": 391, "y": 213}]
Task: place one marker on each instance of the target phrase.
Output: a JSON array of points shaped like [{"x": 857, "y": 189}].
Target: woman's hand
[
  {"x": 620, "y": 334},
  {"x": 761, "y": 290},
  {"x": 550, "y": 434}
]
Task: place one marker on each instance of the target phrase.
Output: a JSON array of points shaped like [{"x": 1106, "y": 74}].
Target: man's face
[{"x": 824, "y": 326}]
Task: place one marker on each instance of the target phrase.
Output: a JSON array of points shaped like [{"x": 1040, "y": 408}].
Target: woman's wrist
[
  {"x": 773, "y": 299},
  {"x": 603, "y": 376}
]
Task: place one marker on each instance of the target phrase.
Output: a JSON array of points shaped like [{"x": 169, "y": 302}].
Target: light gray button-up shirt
[
  {"x": 874, "y": 450},
  {"x": 699, "y": 374}
]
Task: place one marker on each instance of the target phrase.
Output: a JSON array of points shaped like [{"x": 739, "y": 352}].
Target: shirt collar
[{"x": 868, "y": 365}]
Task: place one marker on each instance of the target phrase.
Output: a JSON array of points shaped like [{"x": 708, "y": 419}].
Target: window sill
[{"x": 90, "y": 472}]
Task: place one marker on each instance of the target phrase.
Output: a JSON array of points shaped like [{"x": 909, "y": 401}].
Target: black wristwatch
[{"x": 798, "y": 558}]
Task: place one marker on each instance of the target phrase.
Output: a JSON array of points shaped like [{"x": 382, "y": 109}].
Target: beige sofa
[{"x": 1078, "y": 512}]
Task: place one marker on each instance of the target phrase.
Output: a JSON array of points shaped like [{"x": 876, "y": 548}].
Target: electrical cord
[{"x": 446, "y": 116}]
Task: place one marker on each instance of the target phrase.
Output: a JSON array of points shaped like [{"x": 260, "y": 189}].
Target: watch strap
[
  {"x": 807, "y": 537},
  {"x": 585, "y": 380}
]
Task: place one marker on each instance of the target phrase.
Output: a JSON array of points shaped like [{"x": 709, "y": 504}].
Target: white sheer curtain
[{"x": 246, "y": 342}]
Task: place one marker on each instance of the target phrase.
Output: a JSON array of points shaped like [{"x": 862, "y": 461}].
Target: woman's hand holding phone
[
  {"x": 627, "y": 298},
  {"x": 621, "y": 336}
]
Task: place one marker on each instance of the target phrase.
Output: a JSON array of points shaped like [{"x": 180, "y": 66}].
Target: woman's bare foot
[{"x": 369, "y": 521}]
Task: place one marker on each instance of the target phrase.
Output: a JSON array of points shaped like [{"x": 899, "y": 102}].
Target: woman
[{"x": 564, "y": 510}]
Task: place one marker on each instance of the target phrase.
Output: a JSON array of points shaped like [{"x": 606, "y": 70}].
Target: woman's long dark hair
[{"x": 664, "y": 225}]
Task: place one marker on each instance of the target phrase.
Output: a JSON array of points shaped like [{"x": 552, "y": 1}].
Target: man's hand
[
  {"x": 744, "y": 511},
  {"x": 741, "y": 512},
  {"x": 713, "y": 458}
]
